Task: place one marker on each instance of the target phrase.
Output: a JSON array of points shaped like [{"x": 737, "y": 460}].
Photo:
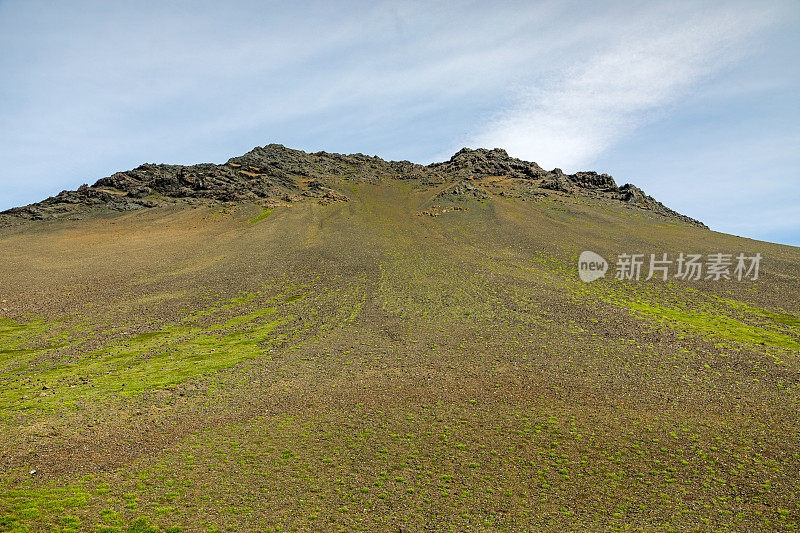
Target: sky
[{"x": 696, "y": 102}]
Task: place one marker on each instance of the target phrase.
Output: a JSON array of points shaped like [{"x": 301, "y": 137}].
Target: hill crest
[{"x": 277, "y": 175}]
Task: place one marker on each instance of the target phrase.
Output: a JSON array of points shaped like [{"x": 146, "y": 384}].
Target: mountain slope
[{"x": 421, "y": 356}]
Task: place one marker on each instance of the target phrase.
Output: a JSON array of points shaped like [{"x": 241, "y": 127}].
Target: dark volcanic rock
[
  {"x": 464, "y": 189},
  {"x": 557, "y": 181},
  {"x": 592, "y": 180},
  {"x": 482, "y": 162},
  {"x": 274, "y": 173}
]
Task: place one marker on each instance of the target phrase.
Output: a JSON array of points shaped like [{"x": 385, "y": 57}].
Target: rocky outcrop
[
  {"x": 274, "y": 173},
  {"x": 467, "y": 163},
  {"x": 462, "y": 190}
]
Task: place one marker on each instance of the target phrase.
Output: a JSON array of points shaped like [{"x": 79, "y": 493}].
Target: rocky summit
[{"x": 275, "y": 175}]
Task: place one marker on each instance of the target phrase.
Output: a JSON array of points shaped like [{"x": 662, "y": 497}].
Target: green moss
[
  {"x": 18, "y": 506},
  {"x": 264, "y": 214},
  {"x": 715, "y": 326},
  {"x": 779, "y": 318},
  {"x": 211, "y": 339}
]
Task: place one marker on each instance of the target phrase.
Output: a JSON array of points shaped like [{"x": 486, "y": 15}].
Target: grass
[
  {"x": 531, "y": 457},
  {"x": 203, "y": 343},
  {"x": 724, "y": 328},
  {"x": 266, "y": 211}
]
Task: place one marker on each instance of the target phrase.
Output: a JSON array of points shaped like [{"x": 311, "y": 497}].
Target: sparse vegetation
[{"x": 357, "y": 367}]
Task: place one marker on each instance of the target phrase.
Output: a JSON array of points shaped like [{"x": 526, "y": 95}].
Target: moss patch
[{"x": 264, "y": 214}]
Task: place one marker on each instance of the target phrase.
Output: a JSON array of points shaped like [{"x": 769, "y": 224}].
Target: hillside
[{"x": 320, "y": 342}]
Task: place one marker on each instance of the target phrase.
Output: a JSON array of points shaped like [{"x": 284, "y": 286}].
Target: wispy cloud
[{"x": 643, "y": 60}]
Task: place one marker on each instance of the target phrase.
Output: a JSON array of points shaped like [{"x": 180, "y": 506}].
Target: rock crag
[{"x": 276, "y": 175}]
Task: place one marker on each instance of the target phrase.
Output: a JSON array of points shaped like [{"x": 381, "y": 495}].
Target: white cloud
[{"x": 642, "y": 61}]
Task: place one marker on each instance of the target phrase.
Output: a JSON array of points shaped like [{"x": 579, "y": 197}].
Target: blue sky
[{"x": 696, "y": 102}]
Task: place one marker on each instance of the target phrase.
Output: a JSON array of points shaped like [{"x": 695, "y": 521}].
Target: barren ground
[{"x": 362, "y": 367}]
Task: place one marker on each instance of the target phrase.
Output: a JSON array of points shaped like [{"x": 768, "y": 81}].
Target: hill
[{"x": 319, "y": 342}]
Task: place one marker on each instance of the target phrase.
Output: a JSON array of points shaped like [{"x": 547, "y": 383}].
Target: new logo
[{"x": 591, "y": 266}]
